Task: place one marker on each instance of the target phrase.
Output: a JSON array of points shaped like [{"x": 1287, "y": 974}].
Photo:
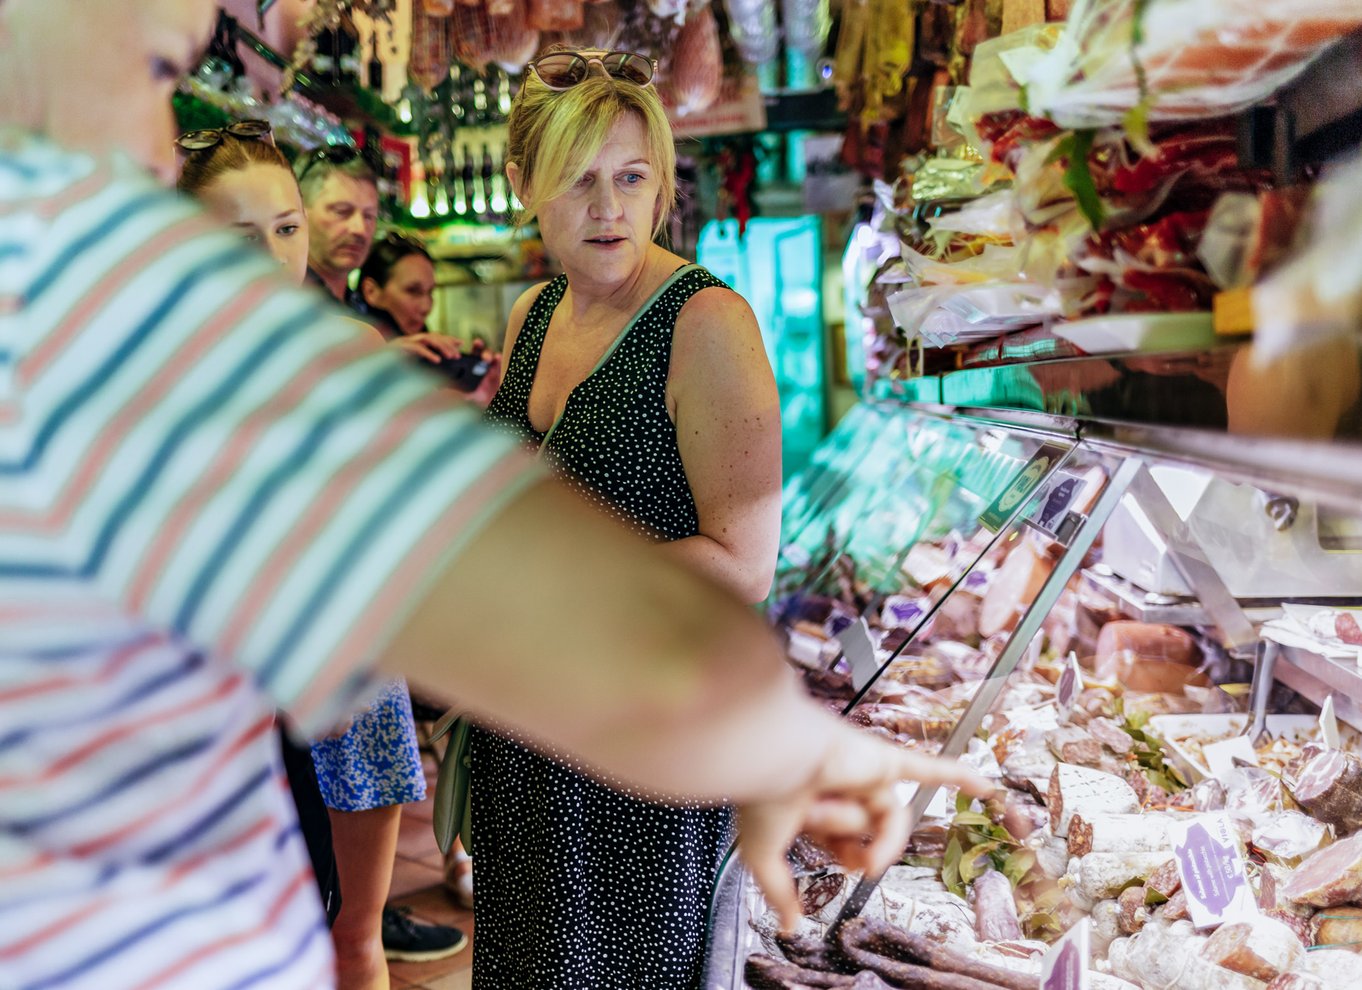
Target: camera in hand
[{"x": 466, "y": 371}]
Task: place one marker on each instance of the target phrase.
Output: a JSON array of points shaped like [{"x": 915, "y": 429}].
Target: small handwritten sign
[
  {"x": 1220, "y": 756},
  {"x": 1212, "y": 872},
  {"x": 1065, "y": 966},
  {"x": 1066, "y": 692},
  {"x": 1328, "y": 724},
  {"x": 859, "y": 650}
]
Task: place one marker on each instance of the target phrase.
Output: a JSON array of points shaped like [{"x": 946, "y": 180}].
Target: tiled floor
[{"x": 418, "y": 881}]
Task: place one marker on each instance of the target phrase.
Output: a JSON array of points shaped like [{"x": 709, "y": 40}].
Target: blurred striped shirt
[{"x": 216, "y": 499}]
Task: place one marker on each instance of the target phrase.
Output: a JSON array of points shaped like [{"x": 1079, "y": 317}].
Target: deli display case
[{"x": 1143, "y": 633}]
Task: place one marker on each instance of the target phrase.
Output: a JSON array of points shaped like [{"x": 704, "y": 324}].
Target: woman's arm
[{"x": 723, "y": 399}]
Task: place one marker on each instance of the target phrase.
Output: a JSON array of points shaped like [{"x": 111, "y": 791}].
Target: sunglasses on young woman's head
[
  {"x": 211, "y": 137},
  {"x": 563, "y": 70}
]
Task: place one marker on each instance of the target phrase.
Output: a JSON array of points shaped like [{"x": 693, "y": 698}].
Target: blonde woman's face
[
  {"x": 262, "y": 203},
  {"x": 601, "y": 228}
]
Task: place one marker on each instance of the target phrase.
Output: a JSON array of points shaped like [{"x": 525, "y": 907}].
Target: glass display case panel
[{"x": 875, "y": 543}]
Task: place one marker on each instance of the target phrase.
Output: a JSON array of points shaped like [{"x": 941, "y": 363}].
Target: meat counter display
[{"x": 1157, "y": 661}]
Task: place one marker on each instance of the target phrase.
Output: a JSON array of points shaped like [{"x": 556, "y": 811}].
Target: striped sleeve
[{"x": 223, "y": 456}]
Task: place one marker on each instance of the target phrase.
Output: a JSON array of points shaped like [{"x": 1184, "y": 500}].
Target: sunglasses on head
[
  {"x": 211, "y": 137},
  {"x": 563, "y": 70},
  {"x": 335, "y": 154}
]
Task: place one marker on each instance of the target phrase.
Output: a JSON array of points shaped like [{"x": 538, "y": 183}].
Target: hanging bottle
[
  {"x": 458, "y": 196},
  {"x": 467, "y": 172},
  {"x": 485, "y": 185}
]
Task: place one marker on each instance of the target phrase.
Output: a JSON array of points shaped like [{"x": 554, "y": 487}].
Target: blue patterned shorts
[{"x": 376, "y": 762}]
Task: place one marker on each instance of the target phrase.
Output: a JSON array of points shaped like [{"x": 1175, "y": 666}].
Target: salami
[
  {"x": 1338, "y": 926},
  {"x": 1330, "y": 788},
  {"x": 1297, "y": 981},
  {"x": 867, "y": 937},
  {"x": 995, "y": 909},
  {"x": 1074, "y": 745},
  {"x": 765, "y": 973},
  {"x": 1263, "y": 948},
  {"x": 1131, "y": 912},
  {"x": 1120, "y": 833},
  {"x": 1330, "y": 877},
  {"x": 1078, "y": 790}
]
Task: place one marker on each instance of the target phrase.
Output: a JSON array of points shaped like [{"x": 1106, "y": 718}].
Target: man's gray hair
[{"x": 320, "y": 164}]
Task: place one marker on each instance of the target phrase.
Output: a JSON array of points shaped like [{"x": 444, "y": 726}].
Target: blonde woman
[{"x": 643, "y": 380}]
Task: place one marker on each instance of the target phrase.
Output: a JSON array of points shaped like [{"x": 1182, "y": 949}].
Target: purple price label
[
  {"x": 1211, "y": 871},
  {"x": 1067, "y": 971}
]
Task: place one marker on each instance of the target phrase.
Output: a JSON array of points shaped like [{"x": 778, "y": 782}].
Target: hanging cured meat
[
  {"x": 697, "y": 64},
  {"x": 1193, "y": 60},
  {"x": 481, "y": 36},
  {"x": 431, "y": 50},
  {"x": 555, "y": 15},
  {"x": 752, "y": 23}
]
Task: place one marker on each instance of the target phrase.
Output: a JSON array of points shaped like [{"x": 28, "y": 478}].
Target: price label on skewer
[
  {"x": 1070, "y": 684},
  {"x": 1328, "y": 724},
  {"x": 859, "y": 650},
  {"x": 1065, "y": 966}
]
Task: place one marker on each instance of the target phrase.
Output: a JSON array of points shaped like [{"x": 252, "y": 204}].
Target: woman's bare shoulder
[{"x": 519, "y": 310}]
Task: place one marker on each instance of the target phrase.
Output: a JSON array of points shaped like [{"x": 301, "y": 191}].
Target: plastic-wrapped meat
[
  {"x": 1250, "y": 791},
  {"x": 1101, "y": 875},
  {"x": 1074, "y": 745},
  {"x": 1287, "y": 837},
  {"x": 1339, "y": 970},
  {"x": 995, "y": 909},
  {"x": 1157, "y": 956},
  {"x": 1262, "y": 948},
  {"x": 1131, "y": 912},
  {"x": 1206, "y": 59},
  {"x": 1338, "y": 926},
  {"x": 1330, "y": 877},
  {"x": 1297, "y": 981},
  {"x": 1208, "y": 795},
  {"x": 1111, "y": 735},
  {"x": 1078, "y": 790},
  {"x": 1330, "y": 788},
  {"x": 1150, "y": 832}
]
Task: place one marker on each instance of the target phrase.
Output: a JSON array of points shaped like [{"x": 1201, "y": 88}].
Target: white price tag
[
  {"x": 1070, "y": 684},
  {"x": 938, "y": 807},
  {"x": 1065, "y": 966},
  {"x": 1328, "y": 724},
  {"x": 1220, "y": 756},
  {"x": 860, "y": 652},
  {"x": 1206, "y": 850}
]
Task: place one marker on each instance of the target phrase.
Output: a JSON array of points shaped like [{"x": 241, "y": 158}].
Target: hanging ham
[{"x": 697, "y": 71}]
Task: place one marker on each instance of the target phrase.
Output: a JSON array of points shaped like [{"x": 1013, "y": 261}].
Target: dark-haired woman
[{"x": 397, "y": 284}]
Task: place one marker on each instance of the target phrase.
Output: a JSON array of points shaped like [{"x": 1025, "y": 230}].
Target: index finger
[{"x": 934, "y": 771}]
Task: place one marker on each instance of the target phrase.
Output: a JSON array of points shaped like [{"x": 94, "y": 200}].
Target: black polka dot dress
[{"x": 577, "y": 885}]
